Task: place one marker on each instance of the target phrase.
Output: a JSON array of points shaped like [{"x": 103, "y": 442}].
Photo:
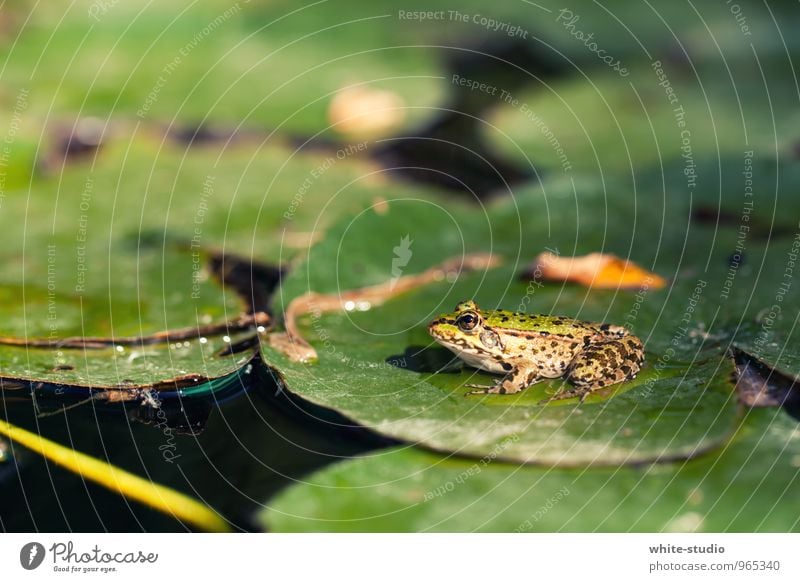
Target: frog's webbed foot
[
  {"x": 497, "y": 388},
  {"x": 519, "y": 378},
  {"x": 515, "y": 382},
  {"x": 578, "y": 392}
]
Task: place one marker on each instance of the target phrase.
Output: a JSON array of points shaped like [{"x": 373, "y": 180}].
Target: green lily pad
[
  {"x": 249, "y": 62},
  {"x": 750, "y": 485},
  {"x": 662, "y": 415},
  {"x": 178, "y": 366}
]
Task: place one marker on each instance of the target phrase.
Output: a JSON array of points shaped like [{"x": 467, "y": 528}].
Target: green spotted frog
[{"x": 530, "y": 348}]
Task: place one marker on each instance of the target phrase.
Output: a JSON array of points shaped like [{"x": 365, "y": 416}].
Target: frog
[{"x": 528, "y": 348}]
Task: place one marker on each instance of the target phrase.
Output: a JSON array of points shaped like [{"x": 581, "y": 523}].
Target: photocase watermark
[
  {"x": 169, "y": 448},
  {"x": 177, "y": 60},
  {"x": 744, "y": 228},
  {"x": 688, "y": 313},
  {"x": 475, "y": 85},
  {"x": 638, "y": 299},
  {"x": 490, "y": 24},
  {"x": 20, "y": 105},
  {"x": 535, "y": 282},
  {"x": 198, "y": 274},
  {"x": 551, "y": 502},
  {"x": 739, "y": 16},
  {"x": 402, "y": 255},
  {"x": 689, "y": 166},
  {"x": 322, "y": 334},
  {"x": 318, "y": 172},
  {"x": 100, "y": 8},
  {"x": 664, "y": 82},
  {"x": 507, "y": 28},
  {"x": 82, "y": 236},
  {"x": 568, "y": 19},
  {"x": 52, "y": 310},
  {"x": 32, "y": 555},
  {"x": 65, "y": 558},
  {"x": 687, "y": 154},
  {"x": 771, "y": 314},
  {"x": 508, "y": 98},
  {"x": 358, "y": 364},
  {"x": 473, "y": 470},
  {"x": 678, "y": 338},
  {"x": 52, "y": 307},
  {"x": 539, "y": 123},
  {"x": 421, "y": 15}
]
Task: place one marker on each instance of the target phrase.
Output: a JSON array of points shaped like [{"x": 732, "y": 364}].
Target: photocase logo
[
  {"x": 31, "y": 555},
  {"x": 402, "y": 254}
]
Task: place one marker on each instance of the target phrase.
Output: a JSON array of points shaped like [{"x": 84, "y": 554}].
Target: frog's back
[{"x": 555, "y": 325}]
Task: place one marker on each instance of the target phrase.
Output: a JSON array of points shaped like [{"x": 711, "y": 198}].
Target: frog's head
[{"x": 465, "y": 331}]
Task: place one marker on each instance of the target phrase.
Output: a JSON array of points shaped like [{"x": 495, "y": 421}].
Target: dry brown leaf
[{"x": 597, "y": 270}]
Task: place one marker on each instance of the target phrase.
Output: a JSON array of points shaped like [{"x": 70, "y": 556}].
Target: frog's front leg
[
  {"x": 520, "y": 377},
  {"x": 601, "y": 365}
]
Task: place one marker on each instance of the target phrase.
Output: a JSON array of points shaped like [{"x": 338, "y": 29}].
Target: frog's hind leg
[
  {"x": 601, "y": 365},
  {"x": 517, "y": 380}
]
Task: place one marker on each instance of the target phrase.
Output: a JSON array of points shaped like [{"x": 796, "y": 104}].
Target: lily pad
[
  {"x": 250, "y": 62},
  {"x": 179, "y": 366},
  {"x": 660, "y": 416},
  {"x": 750, "y": 485}
]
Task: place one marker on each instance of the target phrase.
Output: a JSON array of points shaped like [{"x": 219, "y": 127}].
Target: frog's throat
[{"x": 481, "y": 360}]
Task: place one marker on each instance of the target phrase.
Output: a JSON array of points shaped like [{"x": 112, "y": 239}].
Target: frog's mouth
[
  {"x": 448, "y": 339},
  {"x": 472, "y": 355}
]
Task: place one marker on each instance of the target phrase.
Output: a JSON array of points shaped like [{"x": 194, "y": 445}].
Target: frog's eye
[{"x": 467, "y": 321}]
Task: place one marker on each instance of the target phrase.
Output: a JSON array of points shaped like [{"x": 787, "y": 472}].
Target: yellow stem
[{"x": 120, "y": 481}]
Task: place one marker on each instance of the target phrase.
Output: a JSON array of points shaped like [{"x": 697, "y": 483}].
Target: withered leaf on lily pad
[{"x": 599, "y": 270}]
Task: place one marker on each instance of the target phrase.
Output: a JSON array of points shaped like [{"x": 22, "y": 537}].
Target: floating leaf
[
  {"x": 598, "y": 270},
  {"x": 750, "y": 485}
]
